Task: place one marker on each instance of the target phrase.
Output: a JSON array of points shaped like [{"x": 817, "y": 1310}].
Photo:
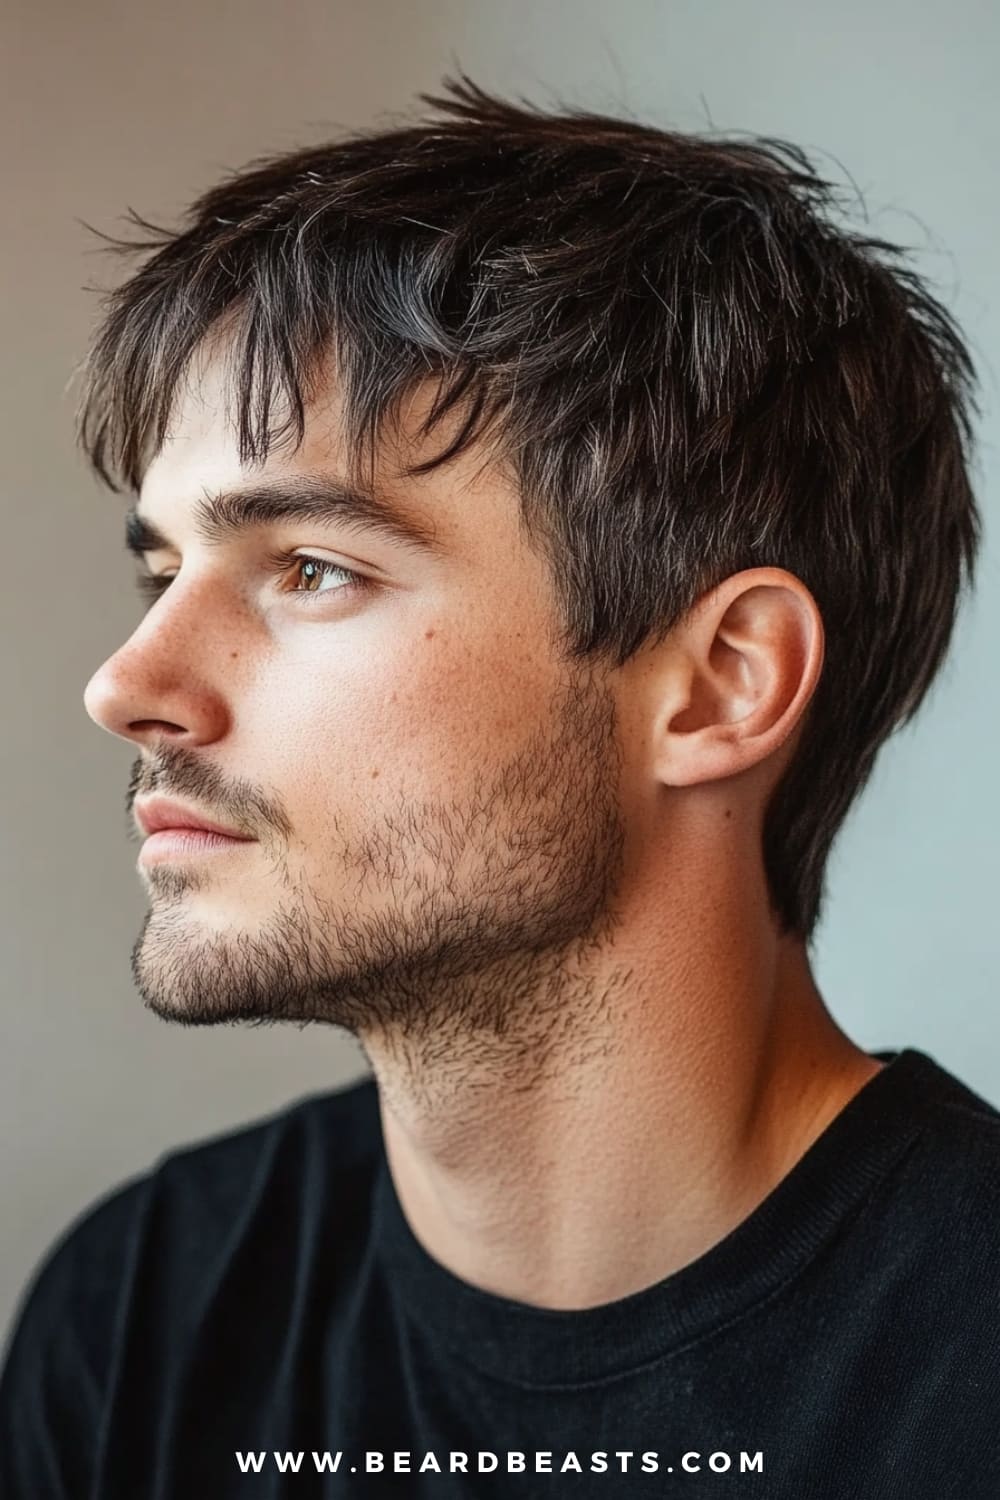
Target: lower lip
[{"x": 169, "y": 842}]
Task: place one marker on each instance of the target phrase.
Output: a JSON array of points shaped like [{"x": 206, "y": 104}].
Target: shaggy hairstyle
[{"x": 685, "y": 363}]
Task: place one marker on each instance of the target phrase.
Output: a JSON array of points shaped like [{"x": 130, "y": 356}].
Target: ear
[{"x": 744, "y": 664}]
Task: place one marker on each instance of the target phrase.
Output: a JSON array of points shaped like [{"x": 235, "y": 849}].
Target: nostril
[{"x": 163, "y": 726}]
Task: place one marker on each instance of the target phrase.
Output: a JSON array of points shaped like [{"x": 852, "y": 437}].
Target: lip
[
  {"x": 168, "y": 843},
  {"x": 158, "y": 815}
]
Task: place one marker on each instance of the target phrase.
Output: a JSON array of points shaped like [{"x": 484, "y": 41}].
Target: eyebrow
[{"x": 298, "y": 499}]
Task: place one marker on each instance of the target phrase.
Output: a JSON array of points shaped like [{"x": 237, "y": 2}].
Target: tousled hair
[{"x": 686, "y": 361}]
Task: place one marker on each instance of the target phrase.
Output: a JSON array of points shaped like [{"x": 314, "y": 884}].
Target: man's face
[{"x": 431, "y": 790}]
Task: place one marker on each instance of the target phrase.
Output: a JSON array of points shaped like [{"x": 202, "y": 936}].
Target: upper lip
[{"x": 155, "y": 813}]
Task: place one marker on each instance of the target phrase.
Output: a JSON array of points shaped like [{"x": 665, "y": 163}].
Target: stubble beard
[{"x": 486, "y": 911}]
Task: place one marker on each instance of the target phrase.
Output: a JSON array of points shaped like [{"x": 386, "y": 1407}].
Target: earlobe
[{"x": 744, "y": 666}]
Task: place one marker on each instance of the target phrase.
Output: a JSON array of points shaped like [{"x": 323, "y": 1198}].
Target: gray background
[{"x": 115, "y": 104}]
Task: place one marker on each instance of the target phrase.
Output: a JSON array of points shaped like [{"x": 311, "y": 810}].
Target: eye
[
  {"x": 151, "y": 585},
  {"x": 309, "y": 571},
  {"x": 312, "y": 570}
]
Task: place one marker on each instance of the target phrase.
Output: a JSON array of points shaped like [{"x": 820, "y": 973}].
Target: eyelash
[{"x": 152, "y": 586}]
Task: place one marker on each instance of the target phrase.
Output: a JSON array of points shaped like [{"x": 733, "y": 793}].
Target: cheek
[{"x": 393, "y": 719}]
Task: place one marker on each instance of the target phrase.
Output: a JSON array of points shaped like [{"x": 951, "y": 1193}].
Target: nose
[{"x": 159, "y": 685}]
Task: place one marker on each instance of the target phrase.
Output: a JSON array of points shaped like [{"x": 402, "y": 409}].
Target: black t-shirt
[{"x": 230, "y": 1322}]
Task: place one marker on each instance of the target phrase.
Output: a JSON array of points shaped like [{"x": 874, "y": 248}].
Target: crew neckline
[{"x": 528, "y": 1345}]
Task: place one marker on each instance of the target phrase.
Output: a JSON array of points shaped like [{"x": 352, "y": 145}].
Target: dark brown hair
[{"x": 686, "y": 361}]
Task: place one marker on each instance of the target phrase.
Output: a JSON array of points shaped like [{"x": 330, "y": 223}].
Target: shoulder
[
  {"x": 952, "y": 1115},
  {"x": 957, "y": 1153},
  {"x": 147, "y": 1249},
  {"x": 940, "y": 1219},
  {"x": 322, "y": 1146},
  {"x": 213, "y": 1180}
]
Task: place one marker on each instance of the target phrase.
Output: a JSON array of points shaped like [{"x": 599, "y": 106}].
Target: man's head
[{"x": 693, "y": 443}]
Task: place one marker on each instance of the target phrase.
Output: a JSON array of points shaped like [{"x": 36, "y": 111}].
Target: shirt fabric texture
[{"x": 262, "y": 1294}]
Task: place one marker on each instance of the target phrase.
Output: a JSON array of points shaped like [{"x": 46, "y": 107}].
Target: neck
[{"x": 681, "y": 1083}]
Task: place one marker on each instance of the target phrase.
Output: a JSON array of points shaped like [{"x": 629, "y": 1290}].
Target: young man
[{"x": 548, "y": 518}]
